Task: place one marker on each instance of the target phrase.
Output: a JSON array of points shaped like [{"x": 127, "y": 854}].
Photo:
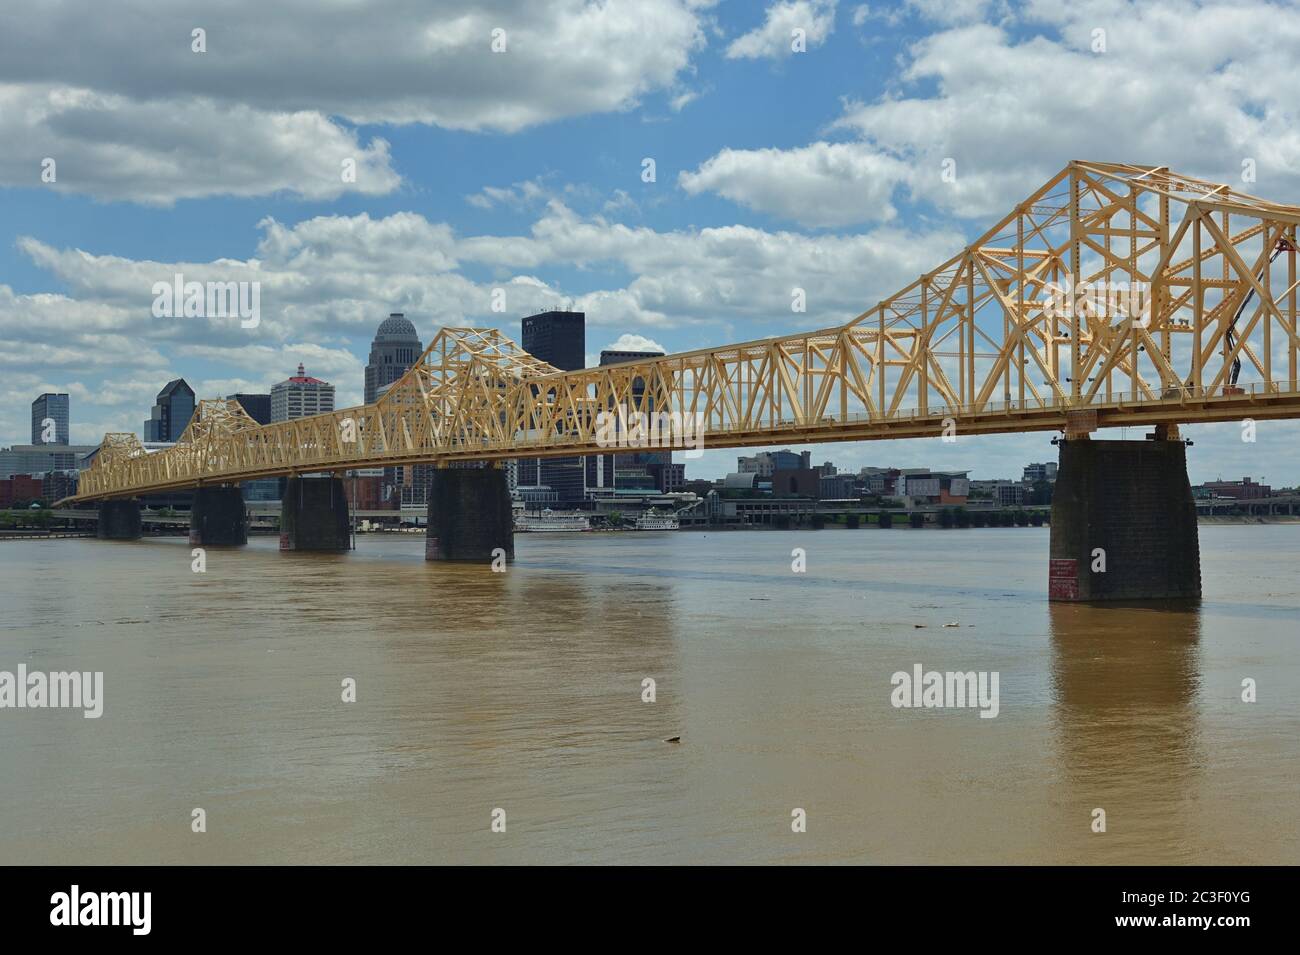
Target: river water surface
[{"x": 522, "y": 691}]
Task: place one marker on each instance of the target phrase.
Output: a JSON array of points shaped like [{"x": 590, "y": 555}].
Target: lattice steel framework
[{"x": 987, "y": 342}]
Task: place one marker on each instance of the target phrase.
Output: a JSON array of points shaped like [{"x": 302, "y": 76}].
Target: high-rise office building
[
  {"x": 558, "y": 338},
  {"x": 637, "y": 469},
  {"x": 50, "y": 419},
  {"x": 669, "y": 477},
  {"x": 299, "y": 396},
  {"x": 257, "y": 407},
  {"x": 396, "y": 348},
  {"x": 171, "y": 413}
]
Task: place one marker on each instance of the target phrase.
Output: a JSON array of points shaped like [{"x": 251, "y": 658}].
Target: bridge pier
[
  {"x": 469, "y": 515},
  {"x": 1123, "y": 522},
  {"x": 217, "y": 517},
  {"x": 119, "y": 520},
  {"x": 314, "y": 515}
]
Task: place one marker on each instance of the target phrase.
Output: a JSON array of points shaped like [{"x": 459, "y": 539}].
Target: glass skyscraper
[
  {"x": 171, "y": 413},
  {"x": 53, "y": 409}
]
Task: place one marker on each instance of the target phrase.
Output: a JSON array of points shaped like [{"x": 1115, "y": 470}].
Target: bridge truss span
[{"x": 1113, "y": 295}]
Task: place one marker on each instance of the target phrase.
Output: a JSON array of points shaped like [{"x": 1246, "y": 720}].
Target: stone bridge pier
[
  {"x": 314, "y": 515},
  {"x": 469, "y": 515},
  {"x": 218, "y": 517},
  {"x": 1124, "y": 522},
  {"x": 119, "y": 520}
]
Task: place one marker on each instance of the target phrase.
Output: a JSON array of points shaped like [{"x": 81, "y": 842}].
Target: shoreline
[
  {"x": 1239, "y": 519},
  {"x": 1249, "y": 519}
]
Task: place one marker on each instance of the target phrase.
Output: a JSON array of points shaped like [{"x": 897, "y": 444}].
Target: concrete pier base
[
  {"x": 469, "y": 515},
  {"x": 1123, "y": 523},
  {"x": 119, "y": 520},
  {"x": 314, "y": 515},
  {"x": 217, "y": 517}
]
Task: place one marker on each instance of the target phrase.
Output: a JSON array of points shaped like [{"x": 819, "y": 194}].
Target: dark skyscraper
[
  {"x": 50, "y": 407},
  {"x": 171, "y": 412},
  {"x": 257, "y": 407},
  {"x": 395, "y": 349},
  {"x": 558, "y": 338}
]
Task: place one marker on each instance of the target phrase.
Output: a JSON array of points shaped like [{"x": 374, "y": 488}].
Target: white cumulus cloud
[
  {"x": 1009, "y": 107},
  {"x": 783, "y": 22},
  {"x": 118, "y": 96}
]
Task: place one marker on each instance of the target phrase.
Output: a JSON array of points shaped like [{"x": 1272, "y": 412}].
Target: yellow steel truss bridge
[{"x": 1114, "y": 295}]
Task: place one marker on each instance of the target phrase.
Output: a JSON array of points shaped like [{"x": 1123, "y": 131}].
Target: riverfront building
[
  {"x": 40, "y": 458},
  {"x": 1243, "y": 490},
  {"x": 1040, "y": 472},
  {"x": 766, "y": 463}
]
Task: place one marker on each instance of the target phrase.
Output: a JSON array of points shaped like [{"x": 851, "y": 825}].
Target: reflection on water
[
  {"x": 1126, "y": 682},
  {"x": 523, "y": 691}
]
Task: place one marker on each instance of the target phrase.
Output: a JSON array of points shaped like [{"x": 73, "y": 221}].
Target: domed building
[{"x": 395, "y": 349}]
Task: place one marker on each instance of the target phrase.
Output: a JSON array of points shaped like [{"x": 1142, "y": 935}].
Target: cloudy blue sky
[{"x": 523, "y": 170}]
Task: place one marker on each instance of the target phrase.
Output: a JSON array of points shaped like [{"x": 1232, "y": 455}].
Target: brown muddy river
[{"x": 522, "y": 692}]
